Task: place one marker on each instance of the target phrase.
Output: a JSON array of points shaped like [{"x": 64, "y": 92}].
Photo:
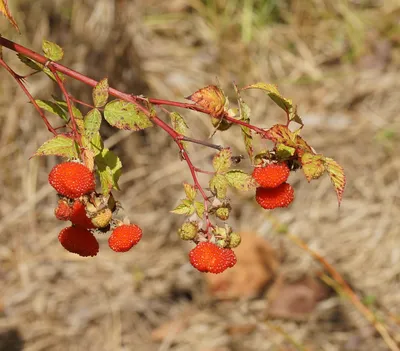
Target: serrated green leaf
[
  {"x": 183, "y": 209},
  {"x": 92, "y": 122},
  {"x": 179, "y": 125},
  {"x": 100, "y": 93},
  {"x": 219, "y": 186},
  {"x": 284, "y": 152},
  {"x": 240, "y": 180},
  {"x": 190, "y": 191},
  {"x": 52, "y": 51},
  {"x": 302, "y": 146},
  {"x": 313, "y": 165},
  {"x": 95, "y": 144},
  {"x": 76, "y": 112},
  {"x": 222, "y": 160},
  {"x": 39, "y": 67},
  {"x": 52, "y": 107},
  {"x": 199, "y": 206},
  {"x": 125, "y": 115},
  {"x": 336, "y": 173},
  {"x": 60, "y": 145},
  {"x": 244, "y": 115},
  {"x": 109, "y": 168}
]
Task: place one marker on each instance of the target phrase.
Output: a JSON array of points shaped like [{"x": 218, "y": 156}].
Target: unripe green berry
[
  {"x": 188, "y": 230},
  {"x": 222, "y": 213},
  {"x": 234, "y": 240}
]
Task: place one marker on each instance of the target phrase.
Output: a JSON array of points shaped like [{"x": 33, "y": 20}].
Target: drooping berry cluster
[
  {"x": 88, "y": 211},
  {"x": 273, "y": 191}
]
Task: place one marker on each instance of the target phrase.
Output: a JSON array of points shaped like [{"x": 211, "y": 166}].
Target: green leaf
[
  {"x": 336, "y": 173},
  {"x": 222, "y": 161},
  {"x": 60, "y": 145},
  {"x": 109, "y": 169},
  {"x": 39, "y": 67},
  {"x": 219, "y": 185},
  {"x": 184, "y": 209},
  {"x": 92, "y": 123},
  {"x": 100, "y": 93},
  {"x": 284, "y": 152},
  {"x": 211, "y": 98},
  {"x": 179, "y": 125},
  {"x": 190, "y": 191},
  {"x": 240, "y": 180},
  {"x": 52, "y": 51},
  {"x": 95, "y": 144},
  {"x": 313, "y": 165},
  {"x": 52, "y": 107},
  {"x": 76, "y": 112},
  {"x": 125, "y": 115},
  {"x": 199, "y": 206},
  {"x": 244, "y": 113}
]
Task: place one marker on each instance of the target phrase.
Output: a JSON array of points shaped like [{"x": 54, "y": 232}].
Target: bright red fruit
[
  {"x": 78, "y": 216},
  {"x": 272, "y": 175},
  {"x": 79, "y": 240},
  {"x": 208, "y": 257},
  {"x": 124, "y": 237},
  {"x": 270, "y": 198},
  {"x": 72, "y": 179}
]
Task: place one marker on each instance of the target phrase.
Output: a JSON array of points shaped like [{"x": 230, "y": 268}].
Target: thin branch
[{"x": 201, "y": 142}]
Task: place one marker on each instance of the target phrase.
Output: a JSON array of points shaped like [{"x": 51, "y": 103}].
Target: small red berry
[
  {"x": 72, "y": 179},
  {"x": 63, "y": 211},
  {"x": 124, "y": 237},
  {"x": 208, "y": 257},
  {"x": 78, "y": 216},
  {"x": 270, "y": 198},
  {"x": 272, "y": 175},
  {"x": 79, "y": 240}
]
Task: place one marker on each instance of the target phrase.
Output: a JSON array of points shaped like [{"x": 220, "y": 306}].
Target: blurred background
[{"x": 338, "y": 60}]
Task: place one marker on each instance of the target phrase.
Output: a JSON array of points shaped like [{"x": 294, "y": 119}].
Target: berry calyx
[
  {"x": 72, "y": 179},
  {"x": 208, "y": 257},
  {"x": 79, "y": 216},
  {"x": 124, "y": 237},
  {"x": 272, "y": 175},
  {"x": 79, "y": 241},
  {"x": 270, "y": 198}
]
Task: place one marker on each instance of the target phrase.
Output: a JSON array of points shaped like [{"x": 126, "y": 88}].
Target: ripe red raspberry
[
  {"x": 72, "y": 179},
  {"x": 63, "y": 211},
  {"x": 124, "y": 237},
  {"x": 270, "y": 198},
  {"x": 78, "y": 216},
  {"x": 272, "y": 175},
  {"x": 208, "y": 257},
  {"x": 79, "y": 240}
]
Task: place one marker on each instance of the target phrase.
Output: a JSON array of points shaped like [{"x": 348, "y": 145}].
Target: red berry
[
  {"x": 272, "y": 175},
  {"x": 63, "y": 211},
  {"x": 72, "y": 179},
  {"x": 270, "y": 198},
  {"x": 208, "y": 257},
  {"x": 79, "y": 240},
  {"x": 124, "y": 237},
  {"x": 78, "y": 216}
]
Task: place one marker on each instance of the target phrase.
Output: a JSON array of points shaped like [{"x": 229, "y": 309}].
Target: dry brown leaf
[
  {"x": 6, "y": 12},
  {"x": 255, "y": 268}
]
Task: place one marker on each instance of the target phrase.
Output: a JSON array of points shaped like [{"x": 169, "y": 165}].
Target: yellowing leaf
[
  {"x": 179, "y": 125},
  {"x": 92, "y": 123},
  {"x": 39, "y": 67},
  {"x": 60, "y": 145},
  {"x": 190, "y": 191},
  {"x": 184, "y": 209},
  {"x": 100, "y": 93},
  {"x": 240, "y": 180},
  {"x": 52, "y": 51},
  {"x": 281, "y": 134},
  {"x": 244, "y": 113},
  {"x": 109, "y": 169},
  {"x": 52, "y": 107},
  {"x": 126, "y": 115},
  {"x": 336, "y": 173},
  {"x": 219, "y": 185},
  {"x": 199, "y": 206},
  {"x": 211, "y": 98},
  {"x": 222, "y": 160},
  {"x": 313, "y": 165},
  {"x": 6, "y": 12},
  {"x": 284, "y": 152}
]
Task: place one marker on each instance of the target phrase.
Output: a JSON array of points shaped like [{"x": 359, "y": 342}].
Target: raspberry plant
[{"x": 91, "y": 207}]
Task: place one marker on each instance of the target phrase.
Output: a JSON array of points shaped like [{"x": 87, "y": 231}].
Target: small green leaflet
[
  {"x": 39, "y": 67},
  {"x": 179, "y": 125},
  {"x": 95, "y": 144},
  {"x": 52, "y": 51},
  {"x": 336, "y": 173},
  {"x": 60, "y": 145},
  {"x": 190, "y": 191},
  {"x": 53, "y": 107},
  {"x": 109, "y": 169},
  {"x": 284, "y": 152},
  {"x": 240, "y": 180},
  {"x": 222, "y": 160},
  {"x": 100, "y": 93},
  {"x": 219, "y": 185},
  {"x": 199, "y": 206},
  {"x": 244, "y": 113},
  {"x": 126, "y": 115},
  {"x": 313, "y": 165},
  {"x": 92, "y": 122},
  {"x": 184, "y": 209}
]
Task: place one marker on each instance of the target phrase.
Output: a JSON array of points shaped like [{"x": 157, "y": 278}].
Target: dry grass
[{"x": 338, "y": 60}]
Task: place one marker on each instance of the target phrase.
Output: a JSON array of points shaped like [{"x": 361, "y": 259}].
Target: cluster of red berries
[
  {"x": 88, "y": 212},
  {"x": 273, "y": 191}
]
